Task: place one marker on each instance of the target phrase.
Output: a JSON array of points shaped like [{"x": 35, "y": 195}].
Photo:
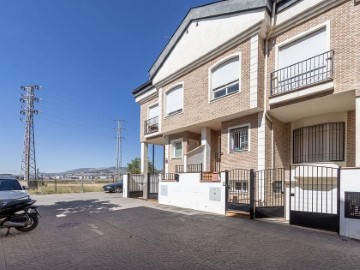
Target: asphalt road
[{"x": 106, "y": 231}]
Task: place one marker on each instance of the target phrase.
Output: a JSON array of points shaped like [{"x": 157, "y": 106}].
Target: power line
[{"x": 28, "y": 164}]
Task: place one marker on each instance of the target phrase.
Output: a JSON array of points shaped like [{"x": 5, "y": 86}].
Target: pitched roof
[{"x": 218, "y": 8}]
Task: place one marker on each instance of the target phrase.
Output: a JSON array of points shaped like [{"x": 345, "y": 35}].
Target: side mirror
[{"x": 25, "y": 188}]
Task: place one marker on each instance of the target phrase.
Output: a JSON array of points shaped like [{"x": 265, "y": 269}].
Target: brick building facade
[{"x": 245, "y": 126}]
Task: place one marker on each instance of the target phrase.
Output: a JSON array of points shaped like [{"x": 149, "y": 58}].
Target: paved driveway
[{"x": 105, "y": 231}]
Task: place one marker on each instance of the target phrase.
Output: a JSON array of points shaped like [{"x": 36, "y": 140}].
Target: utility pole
[
  {"x": 28, "y": 165},
  {"x": 119, "y": 129}
]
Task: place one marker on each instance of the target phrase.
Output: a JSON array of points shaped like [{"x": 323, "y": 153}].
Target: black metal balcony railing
[
  {"x": 190, "y": 168},
  {"x": 311, "y": 71},
  {"x": 170, "y": 177},
  {"x": 151, "y": 125}
]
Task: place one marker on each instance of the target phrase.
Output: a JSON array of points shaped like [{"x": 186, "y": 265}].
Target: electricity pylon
[
  {"x": 28, "y": 165},
  {"x": 119, "y": 139}
]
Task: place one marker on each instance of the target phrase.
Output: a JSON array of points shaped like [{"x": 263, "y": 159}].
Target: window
[
  {"x": 277, "y": 187},
  {"x": 241, "y": 186},
  {"x": 174, "y": 100},
  {"x": 239, "y": 139},
  {"x": 319, "y": 143},
  {"x": 225, "y": 78},
  {"x": 303, "y": 48},
  {"x": 177, "y": 149},
  {"x": 154, "y": 111}
]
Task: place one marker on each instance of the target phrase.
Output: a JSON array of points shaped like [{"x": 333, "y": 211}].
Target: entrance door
[
  {"x": 136, "y": 185},
  {"x": 270, "y": 193},
  {"x": 153, "y": 186},
  {"x": 314, "y": 197},
  {"x": 240, "y": 190}
]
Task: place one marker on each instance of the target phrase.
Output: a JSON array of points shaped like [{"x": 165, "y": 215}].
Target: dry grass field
[{"x": 69, "y": 186}]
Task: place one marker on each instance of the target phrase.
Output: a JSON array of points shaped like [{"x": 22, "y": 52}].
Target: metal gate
[
  {"x": 136, "y": 185},
  {"x": 314, "y": 197},
  {"x": 153, "y": 186},
  {"x": 240, "y": 190},
  {"x": 270, "y": 193}
]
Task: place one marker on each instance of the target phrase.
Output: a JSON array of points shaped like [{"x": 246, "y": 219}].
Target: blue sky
[{"x": 88, "y": 55}]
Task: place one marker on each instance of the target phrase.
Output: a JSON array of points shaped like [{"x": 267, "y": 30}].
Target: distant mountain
[{"x": 107, "y": 170}]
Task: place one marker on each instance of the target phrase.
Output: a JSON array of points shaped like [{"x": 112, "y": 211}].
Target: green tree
[{"x": 134, "y": 167}]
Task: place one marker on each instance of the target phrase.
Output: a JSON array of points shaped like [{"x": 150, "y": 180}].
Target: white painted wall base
[
  {"x": 349, "y": 227},
  {"x": 190, "y": 193},
  {"x": 125, "y": 185}
]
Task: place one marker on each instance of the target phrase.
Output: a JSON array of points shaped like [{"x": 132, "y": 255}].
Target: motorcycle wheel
[{"x": 34, "y": 221}]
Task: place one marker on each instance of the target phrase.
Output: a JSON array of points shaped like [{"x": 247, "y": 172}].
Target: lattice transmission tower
[
  {"x": 28, "y": 164},
  {"x": 119, "y": 139}
]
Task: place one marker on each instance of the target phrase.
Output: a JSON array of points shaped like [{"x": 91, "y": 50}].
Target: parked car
[
  {"x": 10, "y": 189},
  {"x": 114, "y": 187}
]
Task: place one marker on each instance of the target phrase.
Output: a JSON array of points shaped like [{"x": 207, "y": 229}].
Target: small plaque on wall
[{"x": 352, "y": 205}]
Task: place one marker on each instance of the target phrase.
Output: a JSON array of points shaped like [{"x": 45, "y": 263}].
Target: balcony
[
  {"x": 190, "y": 168},
  {"x": 309, "y": 72},
  {"x": 151, "y": 125}
]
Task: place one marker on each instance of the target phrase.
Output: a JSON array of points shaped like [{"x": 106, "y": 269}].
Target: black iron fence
[
  {"x": 179, "y": 168},
  {"x": 57, "y": 186},
  {"x": 239, "y": 186},
  {"x": 305, "y": 73},
  {"x": 270, "y": 187},
  {"x": 136, "y": 185},
  {"x": 314, "y": 189},
  {"x": 170, "y": 177},
  {"x": 315, "y": 197},
  {"x": 190, "y": 168},
  {"x": 153, "y": 186},
  {"x": 217, "y": 165},
  {"x": 151, "y": 125}
]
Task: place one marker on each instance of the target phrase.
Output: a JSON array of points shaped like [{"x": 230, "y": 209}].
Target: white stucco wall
[
  {"x": 296, "y": 10},
  {"x": 349, "y": 182},
  {"x": 190, "y": 193},
  {"x": 196, "y": 156},
  {"x": 203, "y": 36},
  {"x": 125, "y": 185}
]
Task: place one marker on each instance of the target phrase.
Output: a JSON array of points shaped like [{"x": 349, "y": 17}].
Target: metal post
[
  {"x": 290, "y": 194},
  {"x": 252, "y": 193},
  {"x": 153, "y": 159},
  {"x": 338, "y": 197},
  {"x": 148, "y": 184},
  {"x": 226, "y": 190},
  {"x": 128, "y": 185}
]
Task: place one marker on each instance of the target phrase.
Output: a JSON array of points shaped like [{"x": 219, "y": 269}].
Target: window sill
[
  {"x": 220, "y": 98},
  {"x": 177, "y": 158},
  {"x": 238, "y": 151},
  {"x": 175, "y": 114}
]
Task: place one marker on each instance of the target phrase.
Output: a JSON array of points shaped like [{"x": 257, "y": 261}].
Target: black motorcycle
[{"x": 19, "y": 214}]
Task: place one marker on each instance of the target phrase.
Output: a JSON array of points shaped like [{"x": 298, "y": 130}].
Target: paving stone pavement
[{"x": 106, "y": 231}]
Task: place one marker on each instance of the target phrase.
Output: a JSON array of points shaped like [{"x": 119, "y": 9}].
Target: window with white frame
[
  {"x": 174, "y": 100},
  {"x": 177, "y": 149},
  {"x": 308, "y": 46},
  {"x": 239, "y": 139},
  {"x": 304, "y": 61},
  {"x": 241, "y": 186},
  {"x": 225, "y": 78},
  {"x": 154, "y": 111}
]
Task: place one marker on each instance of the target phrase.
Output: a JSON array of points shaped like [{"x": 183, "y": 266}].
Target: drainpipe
[{"x": 272, "y": 23}]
